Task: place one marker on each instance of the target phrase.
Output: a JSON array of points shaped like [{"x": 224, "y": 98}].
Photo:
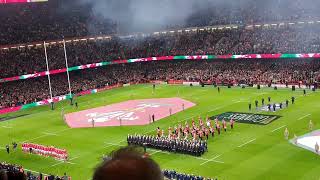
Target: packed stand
[
  {"x": 290, "y": 71},
  {"x": 191, "y": 147},
  {"x": 55, "y": 19},
  {"x": 16, "y": 172},
  {"x": 29, "y": 60}
]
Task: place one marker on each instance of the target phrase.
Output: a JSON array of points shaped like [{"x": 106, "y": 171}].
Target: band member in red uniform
[
  {"x": 216, "y": 123},
  {"x": 231, "y": 123},
  {"x": 200, "y": 122},
  {"x": 193, "y": 123},
  {"x": 207, "y": 133},
  {"x": 212, "y": 130},
  {"x": 224, "y": 123},
  {"x": 218, "y": 128},
  {"x": 158, "y": 132}
]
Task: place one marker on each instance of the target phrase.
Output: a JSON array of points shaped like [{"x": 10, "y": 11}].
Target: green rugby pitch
[{"x": 248, "y": 152}]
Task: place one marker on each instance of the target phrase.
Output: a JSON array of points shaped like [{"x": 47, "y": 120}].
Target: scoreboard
[{"x": 20, "y": 1}]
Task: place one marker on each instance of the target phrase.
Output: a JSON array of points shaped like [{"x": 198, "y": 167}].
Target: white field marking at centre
[
  {"x": 304, "y": 116},
  {"x": 278, "y": 128},
  {"x": 247, "y": 142},
  {"x": 212, "y": 159}
]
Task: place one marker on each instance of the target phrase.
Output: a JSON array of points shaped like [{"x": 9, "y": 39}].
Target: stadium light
[{"x": 300, "y": 22}]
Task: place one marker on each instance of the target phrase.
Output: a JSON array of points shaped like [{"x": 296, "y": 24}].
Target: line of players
[
  {"x": 201, "y": 131},
  {"x": 47, "y": 151},
  {"x": 273, "y": 106},
  {"x": 183, "y": 146}
]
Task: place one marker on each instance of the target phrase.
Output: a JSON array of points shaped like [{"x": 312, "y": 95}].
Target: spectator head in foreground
[{"x": 128, "y": 163}]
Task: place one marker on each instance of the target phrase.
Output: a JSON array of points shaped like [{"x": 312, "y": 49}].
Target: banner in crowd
[{"x": 163, "y": 58}]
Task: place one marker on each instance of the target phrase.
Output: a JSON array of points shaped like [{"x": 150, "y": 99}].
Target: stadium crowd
[
  {"x": 29, "y": 60},
  {"x": 285, "y": 71},
  {"x": 16, "y": 172}
]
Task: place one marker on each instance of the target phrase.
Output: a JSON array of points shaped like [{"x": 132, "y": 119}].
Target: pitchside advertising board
[{"x": 250, "y": 118}]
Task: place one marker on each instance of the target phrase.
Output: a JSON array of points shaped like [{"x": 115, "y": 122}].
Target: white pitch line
[
  {"x": 158, "y": 151},
  {"x": 7, "y": 127},
  {"x": 51, "y": 134},
  {"x": 304, "y": 116},
  {"x": 61, "y": 162},
  {"x": 278, "y": 128},
  {"x": 113, "y": 144},
  {"x": 247, "y": 142},
  {"x": 74, "y": 158},
  {"x": 212, "y": 159},
  {"x": 154, "y": 153}
]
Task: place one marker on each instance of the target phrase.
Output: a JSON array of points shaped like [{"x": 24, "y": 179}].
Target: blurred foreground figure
[{"x": 128, "y": 163}]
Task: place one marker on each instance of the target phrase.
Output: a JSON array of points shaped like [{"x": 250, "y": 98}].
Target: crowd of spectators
[
  {"x": 16, "y": 172},
  {"x": 251, "y": 71},
  {"x": 29, "y": 60},
  {"x": 27, "y": 22}
]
